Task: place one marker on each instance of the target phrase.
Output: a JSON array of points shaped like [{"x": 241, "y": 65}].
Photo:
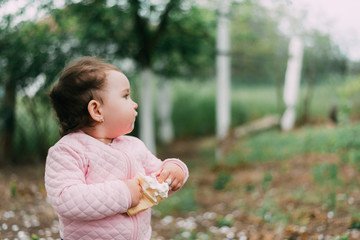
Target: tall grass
[
  {"x": 36, "y": 129},
  {"x": 194, "y": 104},
  {"x": 193, "y": 111}
]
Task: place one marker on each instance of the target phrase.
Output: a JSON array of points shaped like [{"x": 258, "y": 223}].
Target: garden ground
[{"x": 307, "y": 196}]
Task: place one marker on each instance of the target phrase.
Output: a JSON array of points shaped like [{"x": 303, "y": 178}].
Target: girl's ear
[{"x": 94, "y": 108}]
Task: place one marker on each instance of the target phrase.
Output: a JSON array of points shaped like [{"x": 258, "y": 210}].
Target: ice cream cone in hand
[{"x": 153, "y": 193}]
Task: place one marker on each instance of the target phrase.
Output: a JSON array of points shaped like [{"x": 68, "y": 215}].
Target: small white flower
[
  {"x": 15, "y": 228},
  {"x": 4, "y": 226},
  {"x": 210, "y": 215},
  {"x": 167, "y": 220},
  {"x": 230, "y": 235},
  {"x": 186, "y": 234}
]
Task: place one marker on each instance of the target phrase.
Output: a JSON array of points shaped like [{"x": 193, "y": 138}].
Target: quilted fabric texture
[{"x": 84, "y": 183}]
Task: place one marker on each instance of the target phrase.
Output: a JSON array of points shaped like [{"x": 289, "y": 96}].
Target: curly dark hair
[{"x": 78, "y": 84}]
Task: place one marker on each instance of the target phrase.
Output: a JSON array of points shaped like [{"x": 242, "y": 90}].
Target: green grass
[
  {"x": 194, "y": 104},
  {"x": 276, "y": 145}
]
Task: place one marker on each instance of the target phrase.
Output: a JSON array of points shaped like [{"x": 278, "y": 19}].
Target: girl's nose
[{"x": 135, "y": 105}]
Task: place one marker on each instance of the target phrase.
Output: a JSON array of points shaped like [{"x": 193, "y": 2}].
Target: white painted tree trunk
[
  {"x": 166, "y": 129},
  {"x": 292, "y": 82},
  {"x": 223, "y": 113},
  {"x": 146, "y": 110}
]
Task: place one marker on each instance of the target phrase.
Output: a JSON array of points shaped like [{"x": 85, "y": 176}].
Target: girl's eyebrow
[{"x": 126, "y": 90}]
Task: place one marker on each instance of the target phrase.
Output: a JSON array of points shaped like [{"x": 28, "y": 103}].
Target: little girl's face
[{"x": 118, "y": 109}]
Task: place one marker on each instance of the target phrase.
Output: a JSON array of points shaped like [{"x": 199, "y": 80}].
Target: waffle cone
[{"x": 146, "y": 201}]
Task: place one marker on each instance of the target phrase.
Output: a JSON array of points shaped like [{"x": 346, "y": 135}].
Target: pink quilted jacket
[{"x": 84, "y": 182}]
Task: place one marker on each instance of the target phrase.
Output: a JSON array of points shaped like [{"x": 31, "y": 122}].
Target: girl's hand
[
  {"x": 172, "y": 174},
  {"x": 135, "y": 190}
]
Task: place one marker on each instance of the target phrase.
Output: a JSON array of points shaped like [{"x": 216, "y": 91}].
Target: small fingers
[
  {"x": 168, "y": 181},
  {"x": 175, "y": 185},
  {"x": 163, "y": 175}
]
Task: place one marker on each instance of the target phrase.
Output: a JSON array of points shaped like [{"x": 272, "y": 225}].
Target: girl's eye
[{"x": 126, "y": 96}]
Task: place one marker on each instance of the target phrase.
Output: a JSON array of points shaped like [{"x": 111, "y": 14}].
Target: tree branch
[
  {"x": 164, "y": 19},
  {"x": 141, "y": 30}
]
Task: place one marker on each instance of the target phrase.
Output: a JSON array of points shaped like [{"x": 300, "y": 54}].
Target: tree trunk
[
  {"x": 223, "y": 71},
  {"x": 292, "y": 82},
  {"x": 309, "y": 93},
  {"x": 146, "y": 110},
  {"x": 223, "y": 107},
  {"x": 8, "y": 126},
  {"x": 166, "y": 129}
]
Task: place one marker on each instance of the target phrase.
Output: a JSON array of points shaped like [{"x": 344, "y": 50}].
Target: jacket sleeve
[
  {"x": 151, "y": 164},
  {"x": 72, "y": 197}
]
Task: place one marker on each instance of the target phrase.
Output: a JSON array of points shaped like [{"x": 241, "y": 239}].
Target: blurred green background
[
  {"x": 270, "y": 181},
  {"x": 176, "y": 40}
]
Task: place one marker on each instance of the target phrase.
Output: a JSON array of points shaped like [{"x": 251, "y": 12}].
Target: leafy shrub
[
  {"x": 36, "y": 129},
  {"x": 349, "y": 94},
  {"x": 222, "y": 180},
  {"x": 355, "y": 221},
  {"x": 226, "y": 221}
]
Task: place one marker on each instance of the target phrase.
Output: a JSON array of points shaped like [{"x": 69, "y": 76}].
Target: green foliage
[
  {"x": 349, "y": 99},
  {"x": 28, "y": 50},
  {"x": 343, "y": 237},
  {"x": 322, "y": 58},
  {"x": 266, "y": 180},
  {"x": 352, "y": 156},
  {"x": 175, "y": 39},
  {"x": 260, "y": 52},
  {"x": 13, "y": 187},
  {"x": 329, "y": 200},
  {"x": 184, "y": 51},
  {"x": 36, "y": 131},
  {"x": 158, "y": 36},
  {"x": 197, "y": 116},
  {"x": 34, "y": 237},
  {"x": 222, "y": 179},
  {"x": 270, "y": 212},
  {"x": 250, "y": 187},
  {"x": 326, "y": 174},
  {"x": 186, "y": 235},
  {"x": 355, "y": 221},
  {"x": 274, "y": 145},
  {"x": 180, "y": 202},
  {"x": 226, "y": 221}
]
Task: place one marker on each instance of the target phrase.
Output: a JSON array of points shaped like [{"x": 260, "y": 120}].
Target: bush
[
  {"x": 36, "y": 129},
  {"x": 222, "y": 180}
]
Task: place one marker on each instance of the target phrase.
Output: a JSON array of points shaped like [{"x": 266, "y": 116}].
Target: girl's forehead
[{"x": 116, "y": 79}]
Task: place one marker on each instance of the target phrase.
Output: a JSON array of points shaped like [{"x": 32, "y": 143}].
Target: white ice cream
[{"x": 161, "y": 189}]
